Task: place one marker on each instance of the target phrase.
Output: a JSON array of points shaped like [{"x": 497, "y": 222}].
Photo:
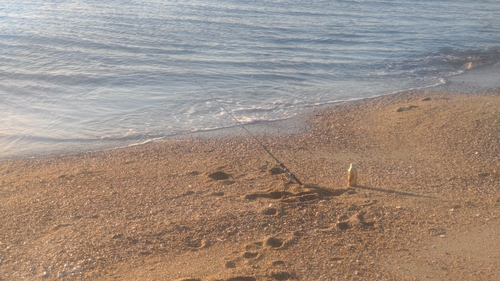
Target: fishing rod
[{"x": 292, "y": 177}]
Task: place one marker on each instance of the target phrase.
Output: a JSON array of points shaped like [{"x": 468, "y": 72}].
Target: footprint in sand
[
  {"x": 254, "y": 246},
  {"x": 343, "y": 225},
  {"x": 288, "y": 196},
  {"x": 278, "y": 263},
  {"x": 313, "y": 193},
  {"x": 250, "y": 255},
  {"x": 219, "y": 176},
  {"x": 282, "y": 275},
  {"x": 236, "y": 278},
  {"x": 267, "y": 194},
  {"x": 195, "y": 245},
  {"x": 241, "y": 278},
  {"x": 274, "y": 242},
  {"x": 230, "y": 264},
  {"x": 275, "y": 275},
  {"x": 401, "y": 109},
  {"x": 356, "y": 220},
  {"x": 253, "y": 252}
]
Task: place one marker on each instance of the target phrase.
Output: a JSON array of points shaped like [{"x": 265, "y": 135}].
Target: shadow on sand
[{"x": 390, "y": 191}]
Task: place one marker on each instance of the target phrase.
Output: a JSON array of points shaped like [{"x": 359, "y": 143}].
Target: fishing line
[{"x": 282, "y": 166}]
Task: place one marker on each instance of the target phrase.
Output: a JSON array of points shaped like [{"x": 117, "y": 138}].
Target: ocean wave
[{"x": 99, "y": 72}]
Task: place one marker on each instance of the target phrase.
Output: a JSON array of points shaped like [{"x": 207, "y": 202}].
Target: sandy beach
[{"x": 200, "y": 208}]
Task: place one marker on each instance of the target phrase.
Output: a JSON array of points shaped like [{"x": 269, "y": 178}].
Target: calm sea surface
[{"x": 82, "y": 75}]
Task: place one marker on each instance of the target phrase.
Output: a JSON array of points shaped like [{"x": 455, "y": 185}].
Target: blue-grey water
[{"x": 81, "y": 75}]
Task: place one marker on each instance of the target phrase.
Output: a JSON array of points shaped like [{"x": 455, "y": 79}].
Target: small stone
[
  {"x": 45, "y": 274},
  {"x": 61, "y": 274},
  {"x": 442, "y": 236}
]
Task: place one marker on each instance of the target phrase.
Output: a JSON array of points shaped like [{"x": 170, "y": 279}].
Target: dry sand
[{"x": 427, "y": 207}]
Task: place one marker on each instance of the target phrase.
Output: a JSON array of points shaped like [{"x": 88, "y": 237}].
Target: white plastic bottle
[{"x": 352, "y": 176}]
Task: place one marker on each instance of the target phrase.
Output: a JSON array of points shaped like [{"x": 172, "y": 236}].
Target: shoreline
[
  {"x": 464, "y": 83},
  {"x": 215, "y": 209}
]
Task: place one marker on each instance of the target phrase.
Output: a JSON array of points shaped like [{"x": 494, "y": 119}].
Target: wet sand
[{"x": 427, "y": 206}]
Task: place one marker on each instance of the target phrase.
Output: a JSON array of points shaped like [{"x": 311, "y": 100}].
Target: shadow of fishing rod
[
  {"x": 292, "y": 177},
  {"x": 396, "y": 192}
]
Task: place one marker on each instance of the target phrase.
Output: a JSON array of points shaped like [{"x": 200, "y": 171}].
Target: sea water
[{"x": 81, "y": 75}]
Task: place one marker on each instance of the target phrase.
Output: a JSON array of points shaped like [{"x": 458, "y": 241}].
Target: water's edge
[{"x": 479, "y": 80}]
